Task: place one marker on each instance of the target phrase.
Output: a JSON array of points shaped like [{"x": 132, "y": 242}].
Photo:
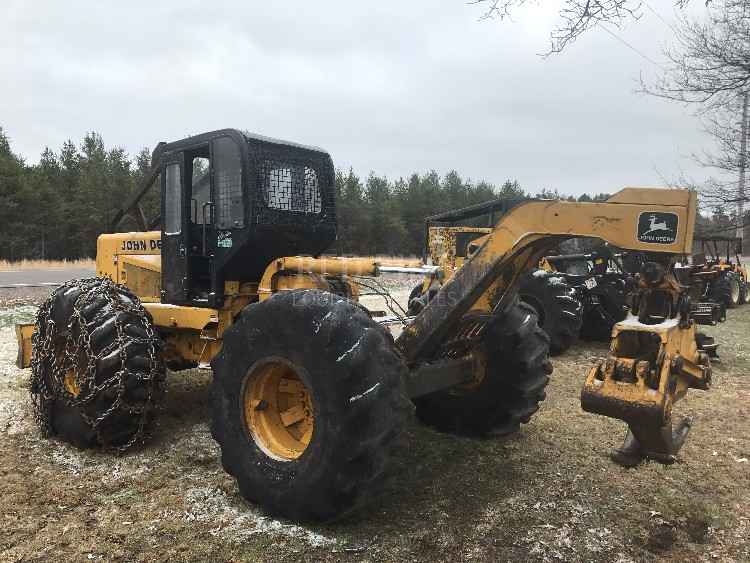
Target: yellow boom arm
[{"x": 647, "y": 219}]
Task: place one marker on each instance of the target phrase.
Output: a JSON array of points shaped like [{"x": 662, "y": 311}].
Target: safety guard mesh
[{"x": 289, "y": 187}]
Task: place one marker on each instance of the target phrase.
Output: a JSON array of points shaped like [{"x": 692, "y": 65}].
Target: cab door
[{"x": 175, "y": 234}]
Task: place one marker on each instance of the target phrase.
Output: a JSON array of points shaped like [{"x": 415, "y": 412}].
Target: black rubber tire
[
  {"x": 735, "y": 287},
  {"x": 416, "y": 291},
  {"x": 357, "y": 381},
  {"x": 559, "y": 312},
  {"x": 517, "y": 372},
  {"x": 721, "y": 290},
  {"x": 743, "y": 291},
  {"x": 129, "y": 369},
  {"x": 417, "y": 301},
  {"x": 598, "y": 319}
]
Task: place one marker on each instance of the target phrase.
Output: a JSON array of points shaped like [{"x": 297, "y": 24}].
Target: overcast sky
[{"x": 389, "y": 87}]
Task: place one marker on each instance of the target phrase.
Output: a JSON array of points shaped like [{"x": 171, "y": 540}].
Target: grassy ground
[
  {"x": 6, "y": 266},
  {"x": 547, "y": 494}
]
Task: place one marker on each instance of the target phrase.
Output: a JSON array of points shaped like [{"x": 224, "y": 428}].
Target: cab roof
[{"x": 237, "y": 134}]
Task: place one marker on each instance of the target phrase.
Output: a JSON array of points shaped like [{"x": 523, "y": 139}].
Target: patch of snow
[
  {"x": 15, "y": 417},
  {"x": 350, "y": 350},
  {"x": 367, "y": 392},
  {"x": 209, "y": 504},
  {"x": 69, "y": 459},
  {"x": 17, "y": 315},
  {"x": 319, "y": 323},
  {"x": 631, "y": 321}
]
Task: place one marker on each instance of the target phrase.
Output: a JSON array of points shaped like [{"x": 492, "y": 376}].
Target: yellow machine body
[
  {"x": 449, "y": 247},
  {"x": 480, "y": 279}
]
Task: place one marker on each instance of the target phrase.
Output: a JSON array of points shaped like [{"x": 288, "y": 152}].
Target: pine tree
[{"x": 13, "y": 202}]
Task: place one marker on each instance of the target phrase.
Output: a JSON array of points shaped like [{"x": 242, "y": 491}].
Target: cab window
[
  {"x": 227, "y": 163},
  {"x": 173, "y": 203},
  {"x": 201, "y": 188}
]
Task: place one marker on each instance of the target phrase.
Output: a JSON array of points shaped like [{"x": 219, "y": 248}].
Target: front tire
[
  {"x": 514, "y": 351},
  {"x": 308, "y": 399}
]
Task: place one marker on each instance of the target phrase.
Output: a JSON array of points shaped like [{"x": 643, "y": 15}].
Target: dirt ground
[{"x": 549, "y": 493}]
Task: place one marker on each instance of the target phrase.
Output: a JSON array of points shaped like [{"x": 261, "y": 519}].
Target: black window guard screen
[{"x": 289, "y": 187}]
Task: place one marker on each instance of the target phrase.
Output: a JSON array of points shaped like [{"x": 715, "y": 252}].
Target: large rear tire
[
  {"x": 97, "y": 375},
  {"x": 308, "y": 399},
  {"x": 558, "y": 311},
  {"x": 514, "y": 352}
]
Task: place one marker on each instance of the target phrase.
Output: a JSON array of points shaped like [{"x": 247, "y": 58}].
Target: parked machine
[
  {"x": 602, "y": 282},
  {"x": 714, "y": 275},
  {"x": 451, "y": 237},
  {"x": 309, "y": 393}
]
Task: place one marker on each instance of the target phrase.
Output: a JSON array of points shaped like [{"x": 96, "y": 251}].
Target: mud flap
[{"x": 24, "y": 332}]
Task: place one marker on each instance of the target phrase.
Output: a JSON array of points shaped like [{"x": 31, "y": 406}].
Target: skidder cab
[{"x": 231, "y": 203}]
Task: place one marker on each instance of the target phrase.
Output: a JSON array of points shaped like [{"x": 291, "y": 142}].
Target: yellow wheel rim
[
  {"x": 278, "y": 409},
  {"x": 70, "y": 381},
  {"x": 479, "y": 372}
]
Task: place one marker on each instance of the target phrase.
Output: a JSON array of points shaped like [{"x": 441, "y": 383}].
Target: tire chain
[{"x": 47, "y": 386}]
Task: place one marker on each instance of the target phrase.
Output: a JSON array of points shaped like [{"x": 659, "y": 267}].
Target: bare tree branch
[
  {"x": 709, "y": 66},
  {"x": 576, "y": 16}
]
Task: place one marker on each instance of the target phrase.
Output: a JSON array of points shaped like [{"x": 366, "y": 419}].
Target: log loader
[{"x": 309, "y": 393}]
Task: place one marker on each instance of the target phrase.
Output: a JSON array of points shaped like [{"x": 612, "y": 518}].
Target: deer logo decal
[{"x": 657, "y": 227}]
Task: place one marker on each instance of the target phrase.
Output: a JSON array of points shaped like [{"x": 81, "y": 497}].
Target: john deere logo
[{"x": 657, "y": 228}]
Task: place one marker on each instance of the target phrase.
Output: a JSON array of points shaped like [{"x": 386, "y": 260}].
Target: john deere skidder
[{"x": 309, "y": 392}]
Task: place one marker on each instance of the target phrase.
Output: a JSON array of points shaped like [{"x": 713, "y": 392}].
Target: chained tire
[
  {"x": 97, "y": 375},
  {"x": 559, "y": 312},
  {"x": 725, "y": 289},
  {"x": 514, "y": 370},
  {"x": 308, "y": 400},
  {"x": 603, "y": 307}
]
